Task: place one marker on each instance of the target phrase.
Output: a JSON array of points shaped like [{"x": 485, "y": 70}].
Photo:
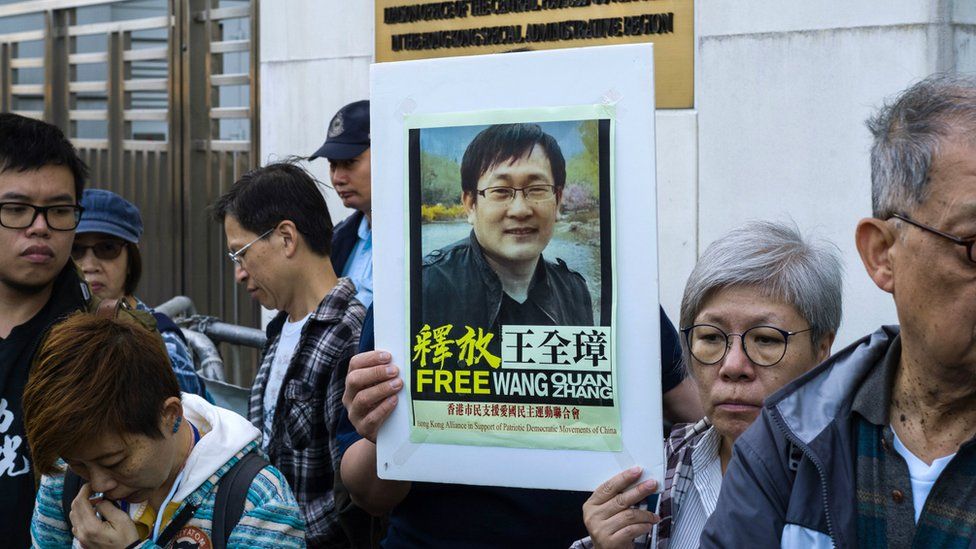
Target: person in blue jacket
[{"x": 347, "y": 150}]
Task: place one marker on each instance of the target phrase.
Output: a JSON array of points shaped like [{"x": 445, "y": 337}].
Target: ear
[
  {"x": 469, "y": 199},
  {"x": 822, "y": 348},
  {"x": 874, "y": 239},
  {"x": 172, "y": 412},
  {"x": 289, "y": 236}
]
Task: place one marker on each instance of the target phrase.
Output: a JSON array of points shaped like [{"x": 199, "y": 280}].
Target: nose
[
  {"x": 240, "y": 273},
  {"x": 736, "y": 366},
  {"x": 39, "y": 226},
  {"x": 339, "y": 176},
  {"x": 519, "y": 207},
  {"x": 100, "y": 480},
  {"x": 88, "y": 262}
]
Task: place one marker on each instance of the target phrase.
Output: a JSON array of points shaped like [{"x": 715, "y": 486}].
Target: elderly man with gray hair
[
  {"x": 875, "y": 447},
  {"x": 761, "y": 307}
]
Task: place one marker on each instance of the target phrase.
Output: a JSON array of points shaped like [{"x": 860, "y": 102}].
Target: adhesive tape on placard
[
  {"x": 402, "y": 454},
  {"x": 407, "y": 106},
  {"x": 611, "y": 97},
  {"x": 625, "y": 460}
]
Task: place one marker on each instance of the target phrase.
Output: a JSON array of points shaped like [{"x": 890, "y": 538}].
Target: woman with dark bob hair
[
  {"x": 106, "y": 249},
  {"x": 102, "y": 398}
]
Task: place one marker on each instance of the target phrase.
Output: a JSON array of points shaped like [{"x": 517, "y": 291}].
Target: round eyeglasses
[{"x": 764, "y": 345}]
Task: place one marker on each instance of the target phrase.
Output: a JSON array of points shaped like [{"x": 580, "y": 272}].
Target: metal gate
[{"x": 160, "y": 97}]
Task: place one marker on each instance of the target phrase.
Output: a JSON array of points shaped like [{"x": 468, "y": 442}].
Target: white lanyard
[{"x": 162, "y": 508}]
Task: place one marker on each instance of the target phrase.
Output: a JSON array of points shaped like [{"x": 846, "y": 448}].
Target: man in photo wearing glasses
[
  {"x": 512, "y": 180},
  {"x": 41, "y": 180}
]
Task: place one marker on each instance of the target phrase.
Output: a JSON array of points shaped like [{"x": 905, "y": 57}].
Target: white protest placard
[{"x": 515, "y": 255}]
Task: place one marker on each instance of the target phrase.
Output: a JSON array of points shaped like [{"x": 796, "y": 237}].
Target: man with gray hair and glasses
[{"x": 875, "y": 447}]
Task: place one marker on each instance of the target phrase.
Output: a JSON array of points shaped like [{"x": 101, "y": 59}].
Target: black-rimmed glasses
[
  {"x": 532, "y": 193},
  {"x": 764, "y": 345},
  {"x": 238, "y": 256},
  {"x": 964, "y": 242},
  {"x": 20, "y": 215}
]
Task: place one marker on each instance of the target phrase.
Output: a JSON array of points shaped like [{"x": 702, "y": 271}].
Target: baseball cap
[
  {"x": 348, "y": 133},
  {"x": 109, "y": 213}
]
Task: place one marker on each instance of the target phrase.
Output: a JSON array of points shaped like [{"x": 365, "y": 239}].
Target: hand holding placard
[{"x": 371, "y": 391}]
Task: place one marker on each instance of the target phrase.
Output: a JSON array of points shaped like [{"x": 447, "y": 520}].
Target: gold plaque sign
[{"x": 421, "y": 29}]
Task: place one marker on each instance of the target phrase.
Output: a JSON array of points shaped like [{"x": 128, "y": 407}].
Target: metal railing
[{"x": 204, "y": 333}]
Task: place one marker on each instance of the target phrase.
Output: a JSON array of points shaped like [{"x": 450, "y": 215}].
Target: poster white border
[{"x": 621, "y": 76}]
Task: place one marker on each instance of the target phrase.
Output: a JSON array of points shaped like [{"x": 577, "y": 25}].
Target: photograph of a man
[{"x": 512, "y": 184}]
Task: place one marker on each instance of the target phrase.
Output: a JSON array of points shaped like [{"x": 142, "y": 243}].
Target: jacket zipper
[{"x": 816, "y": 463}]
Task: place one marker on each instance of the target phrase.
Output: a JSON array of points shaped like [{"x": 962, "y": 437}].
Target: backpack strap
[
  {"x": 175, "y": 524},
  {"x": 166, "y": 324},
  {"x": 72, "y": 485},
  {"x": 231, "y": 495}
]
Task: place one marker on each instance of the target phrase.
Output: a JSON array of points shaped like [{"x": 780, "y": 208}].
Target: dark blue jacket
[
  {"x": 344, "y": 237},
  {"x": 791, "y": 481}
]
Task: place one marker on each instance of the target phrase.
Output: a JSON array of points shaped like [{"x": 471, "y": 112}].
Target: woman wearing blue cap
[{"x": 106, "y": 248}]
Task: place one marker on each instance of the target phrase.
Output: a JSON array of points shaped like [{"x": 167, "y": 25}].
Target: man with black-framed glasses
[
  {"x": 876, "y": 447},
  {"x": 41, "y": 180}
]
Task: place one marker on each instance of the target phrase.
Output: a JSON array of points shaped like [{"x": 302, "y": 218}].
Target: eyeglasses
[
  {"x": 20, "y": 215},
  {"x": 764, "y": 345},
  {"x": 105, "y": 249},
  {"x": 532, "y": 193},
  {"x": 964, "y": 242},
  {"x": 238, "y": 256}
]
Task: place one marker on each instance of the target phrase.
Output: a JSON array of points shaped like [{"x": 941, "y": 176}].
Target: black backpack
[{"x": 228, "y": 507}]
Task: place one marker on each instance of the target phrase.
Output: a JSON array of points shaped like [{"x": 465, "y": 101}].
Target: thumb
[{"x": 111, "y": 513}]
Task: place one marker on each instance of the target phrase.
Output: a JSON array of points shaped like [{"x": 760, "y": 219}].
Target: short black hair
[
  {"x": 264, "y": 197},
  {"x": 27, "y": 145},
  {"x": 508, "y": 142}
]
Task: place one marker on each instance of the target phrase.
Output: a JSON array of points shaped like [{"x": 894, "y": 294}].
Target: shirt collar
[
  {"x": 705, "y": 450},
  {"x": 538, "y": 286},
  {"x": 873, "y": 399},
  {"x": 333, "y": 306},
  {"x": 364, "y": 232}
]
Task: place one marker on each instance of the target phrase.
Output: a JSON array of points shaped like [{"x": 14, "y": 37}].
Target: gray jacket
[{"x": 791, "y": 481}]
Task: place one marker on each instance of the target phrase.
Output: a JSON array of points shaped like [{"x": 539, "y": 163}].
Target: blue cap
[
  {"x": 109, "y": 213},
  {"x": 348, "y": 133}
]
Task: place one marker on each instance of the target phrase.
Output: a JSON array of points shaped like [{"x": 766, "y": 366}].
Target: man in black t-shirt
[{"x": 41, "y": 180}]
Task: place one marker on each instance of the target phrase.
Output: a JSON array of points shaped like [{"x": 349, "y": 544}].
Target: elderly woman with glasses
[
  {"x": 106, "y": 249},
  {"x": 760, "y": 308}
]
